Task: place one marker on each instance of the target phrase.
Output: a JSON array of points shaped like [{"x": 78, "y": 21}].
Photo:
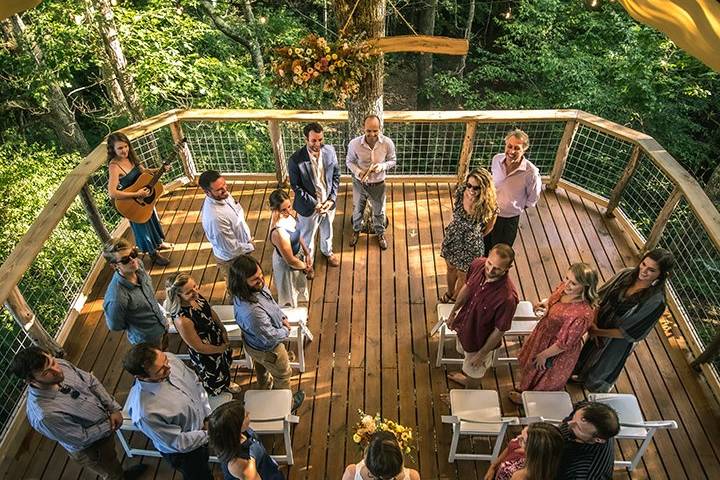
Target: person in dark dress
[
  {"x": 124, "y": 169},
  {"x": 474, "y": 214},
  {"x": 202, "y": 331},
  {"x": 631, "y": 303},
  {"x": 241, "y": 453}
]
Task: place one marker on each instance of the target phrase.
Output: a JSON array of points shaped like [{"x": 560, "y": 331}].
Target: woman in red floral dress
[{"x": 549, "y": 355}]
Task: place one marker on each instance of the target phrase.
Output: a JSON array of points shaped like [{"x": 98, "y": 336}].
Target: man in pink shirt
[
  {"x": 517, "y": 182},
  {"x": 483, "y": 311}
]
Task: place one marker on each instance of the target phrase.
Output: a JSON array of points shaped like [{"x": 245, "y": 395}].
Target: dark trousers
[
  {"x": 504, "y": 231},
  {"x": 193, "y": 465}
]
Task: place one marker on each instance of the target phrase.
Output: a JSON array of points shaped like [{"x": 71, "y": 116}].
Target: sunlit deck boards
[{"x": 371, "y": 318}]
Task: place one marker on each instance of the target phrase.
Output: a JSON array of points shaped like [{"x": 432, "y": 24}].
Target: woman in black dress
[
  {"x": 202, "y": 331},
  {"x": 238, "y": 446},
  {"x": 631, "y": 303}
]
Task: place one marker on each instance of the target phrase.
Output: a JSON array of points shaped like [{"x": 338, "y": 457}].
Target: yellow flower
[
  {"x": 404, "y": 436},
  {"x": 407, "y": 449},
  {"x": 297, "y": 80},
  {"x": 334, "y": 56},
  {"x": 331, "y": 68},
  {"x": 328, "y": 57},
  {"x": 356, "y": 438},
  {"x": 298, "y": 51},
  {"x": 316, "y": 74},
  {"x": 327, "y": 50},
  {"x": 308, "y": 51}
]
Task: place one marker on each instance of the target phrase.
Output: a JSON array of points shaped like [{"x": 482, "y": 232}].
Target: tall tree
[
  {"x": 245, "y": 35},
  {"x": 364, "y": 17},
  {"x": 118, "y": 79},
  {"x": 426, "y": 26}
]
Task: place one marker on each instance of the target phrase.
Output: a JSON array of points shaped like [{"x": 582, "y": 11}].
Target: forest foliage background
[{"x": 524, "y": 54}]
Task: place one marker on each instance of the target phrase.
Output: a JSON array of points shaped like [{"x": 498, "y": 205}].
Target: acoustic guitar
[{"x": 139, "y": 210}]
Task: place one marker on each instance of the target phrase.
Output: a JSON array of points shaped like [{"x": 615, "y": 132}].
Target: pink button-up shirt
[{"x": 517, "y": 191}]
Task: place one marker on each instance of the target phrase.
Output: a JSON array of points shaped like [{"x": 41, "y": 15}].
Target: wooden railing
[{"x": 575, "y": 141}]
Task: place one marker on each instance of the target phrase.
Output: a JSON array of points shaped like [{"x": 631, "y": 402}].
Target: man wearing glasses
[
  {"x": 168, "y": 403},
  {"x": 517, "y": 182},
  {"x": 369, "y": 157},
  {"x": 71, "y": 407},
  {"x": 129, "y": 302}
]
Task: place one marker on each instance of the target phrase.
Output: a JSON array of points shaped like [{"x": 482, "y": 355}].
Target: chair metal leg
[
  {"x": 288, "y": 444},
  {"x": 123, "y": 442},
  {"x": 301, "y": 350},
  {"x": 498, "y": 442},
  {"x": 641, "y": 451},
  {"x": 441, "y": 348},
  {"x": 454, "y": 442}
]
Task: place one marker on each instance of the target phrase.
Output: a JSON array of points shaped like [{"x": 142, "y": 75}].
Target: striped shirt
[
  {"x": 360, "y": 156},
  {"x": 584, "y": 461},
  {"x": 75, "y": 423}
]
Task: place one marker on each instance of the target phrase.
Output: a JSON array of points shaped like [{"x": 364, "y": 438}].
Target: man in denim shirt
[
  {"x": 73, "y": 408},
  {"x": 263, "y": 324},
  {"x": 130, "y": 302}
]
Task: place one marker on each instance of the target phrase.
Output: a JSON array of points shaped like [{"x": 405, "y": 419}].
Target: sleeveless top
[
  {"x": 128, "y": 178},
  {"x": 359, "y": 466},
  {"x": 264, "y": 463},
  {"x": 289, "y": 226}
]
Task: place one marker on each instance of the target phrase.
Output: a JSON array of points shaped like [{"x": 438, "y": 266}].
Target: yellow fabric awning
[
  {"x": 8, "y": 8},
  {"x": 694, "y": 25}
]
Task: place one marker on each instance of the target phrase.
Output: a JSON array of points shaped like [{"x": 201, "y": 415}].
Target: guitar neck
[{"x": 157, "y": 175}]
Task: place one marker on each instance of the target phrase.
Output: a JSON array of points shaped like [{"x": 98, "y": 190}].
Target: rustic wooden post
[
  {"x": 279, "y": 152},
  {"x": 26, "y": 319},
  {"x": 467, "y": 149},
  {"x": 617, "y": 192},
  {"x": 563, "y": 150},
  {"x": 662, "y": 219},
  {"x": 93, "y": 214},
  {"x": 184, "y": 152}
]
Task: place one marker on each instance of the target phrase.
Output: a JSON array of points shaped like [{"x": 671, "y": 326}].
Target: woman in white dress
[
  {"x": 383, "y": 461},
  {"x": 291, "y": 261}
]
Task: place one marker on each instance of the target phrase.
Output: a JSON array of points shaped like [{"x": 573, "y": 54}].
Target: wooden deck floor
[{"x": 371, "y": 318}]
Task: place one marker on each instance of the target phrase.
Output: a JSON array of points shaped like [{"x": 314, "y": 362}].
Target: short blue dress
[{"x": 148, "y": 235}]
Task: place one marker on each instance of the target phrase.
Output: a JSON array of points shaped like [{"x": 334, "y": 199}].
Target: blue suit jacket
[{"x": 301, "y": 178}]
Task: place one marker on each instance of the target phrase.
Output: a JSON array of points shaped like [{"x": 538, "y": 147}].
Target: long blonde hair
[
  {"x": 172, "y": 293},
  {"x": 588, "y": 278},
  {"x": 485, "y": 206}
]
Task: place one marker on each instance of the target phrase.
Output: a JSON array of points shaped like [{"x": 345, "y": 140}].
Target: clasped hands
[
  {"x": 374, "y": 168},
  {"x": 324, "y": 207}
]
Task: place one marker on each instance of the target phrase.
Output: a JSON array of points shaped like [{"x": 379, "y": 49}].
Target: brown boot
[{"x": 354, "y": 239}]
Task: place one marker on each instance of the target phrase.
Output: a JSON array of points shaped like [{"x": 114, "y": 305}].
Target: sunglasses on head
[
  {"x": 475, "y": 188},
  {"x": 127, "y": 258}
]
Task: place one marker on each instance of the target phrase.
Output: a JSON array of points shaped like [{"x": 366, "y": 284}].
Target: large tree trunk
[
  {"x": 426, "y": 26},
  {"x": 369, "y": 20},
  {"x": 255, "y": 50},
  {"x": 468, "y": 32},
  {"x": 119, "y": 80},
  {"x": 59, "y": 117}
]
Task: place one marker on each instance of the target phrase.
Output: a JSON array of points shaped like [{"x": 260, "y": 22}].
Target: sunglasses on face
[
  {"x": 127, "y": 258},
  {"x": 474, "y": 188}
]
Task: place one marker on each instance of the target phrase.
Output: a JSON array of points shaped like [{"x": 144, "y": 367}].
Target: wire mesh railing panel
[
  {"x": 54, "y": 279},
  {"x": 645, "y": 195},
  {"x": 335, "y": 134},
  {"x": 426, "y": 148},
  {"x": 156, "y": 147},
  {"x": 596, "y": 160},
  {"x": 230, "y": 147},
  {"x": 544, "y": 136},
  {"x": 12, "y": 340},
  {"x": 696, "y": 276}
]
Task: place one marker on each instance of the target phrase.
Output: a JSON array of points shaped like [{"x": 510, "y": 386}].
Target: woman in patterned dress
[
  {"x": 533, "y": 455},
  {"x": 549, "y": 355},
  {"x": 474, "y": 214},
  {"x": 202, "y": 331}
]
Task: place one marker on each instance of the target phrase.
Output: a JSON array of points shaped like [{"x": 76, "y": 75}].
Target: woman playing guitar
[{"x": 124, "y": 169}]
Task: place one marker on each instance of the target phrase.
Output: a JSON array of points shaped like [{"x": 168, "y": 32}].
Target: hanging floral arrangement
[
  {"x": 336, "y": 67},
  {"x": 368, "y": 425}
]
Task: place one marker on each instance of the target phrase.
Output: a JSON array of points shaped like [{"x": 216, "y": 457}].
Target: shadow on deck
[{"x": 371, "y": 318}]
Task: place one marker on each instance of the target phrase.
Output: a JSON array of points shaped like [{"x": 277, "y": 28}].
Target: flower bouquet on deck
[
  {"x": 336, "y": 67},
  {"x": 368, "y": 425}
]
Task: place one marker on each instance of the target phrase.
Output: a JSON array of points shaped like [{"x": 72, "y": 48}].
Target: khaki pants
[
  {"x": 483, "y": 366},
  {"x": 272, "y": 367},
  {"x": 100, "y": 458},
  {"x": 224, "y": 268}
]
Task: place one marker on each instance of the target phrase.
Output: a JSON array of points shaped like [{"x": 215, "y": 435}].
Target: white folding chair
[
  {"x": 550, "y": 407},
  {"x": 270, "y": 413},
  {"x": 523, "y": 323},
  {"x": 299, "y": 331},
  {"x": 632, "y": 423},
  {"x": 476, "y": 412},
  {"x": 127, "y": 426}
]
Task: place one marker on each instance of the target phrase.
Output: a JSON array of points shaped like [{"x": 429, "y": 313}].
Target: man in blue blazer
[{"x": 315, "y": 179}]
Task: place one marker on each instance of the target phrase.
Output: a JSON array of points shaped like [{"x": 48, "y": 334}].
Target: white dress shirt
[
  {"x": 360, "y": 156},
  {"x": 226, "y": 229}
]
